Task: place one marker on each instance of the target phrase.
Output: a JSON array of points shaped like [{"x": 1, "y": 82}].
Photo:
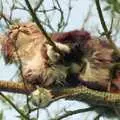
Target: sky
[{"x": 79, "y": 12}]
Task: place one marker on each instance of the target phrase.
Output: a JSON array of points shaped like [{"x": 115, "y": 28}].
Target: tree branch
[
  {"x": 37, "y": 21},
  {"x": 69, "y": 113},
  {"x": 80, "y": 93},
  {"x": 16, "y": 87},
  {"x": 106, "y": 31},
  {"x": 14, "y": 106}
]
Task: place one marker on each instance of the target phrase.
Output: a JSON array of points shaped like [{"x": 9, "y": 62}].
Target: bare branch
[
  {"x": 87, "y": 16},
  {"x": 69, "y": 113},
  {"x": 106, "y": 31},
  {"x": 14, "y": 106},
  {"x": 16, "y": 87},
  {"x": 35, "y": 18},
  {"x": 84, "y": 94},
  {"x": 38, "y": 5}
]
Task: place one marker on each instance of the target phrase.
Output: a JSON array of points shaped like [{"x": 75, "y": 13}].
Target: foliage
[{"x": 113, "y": 5}]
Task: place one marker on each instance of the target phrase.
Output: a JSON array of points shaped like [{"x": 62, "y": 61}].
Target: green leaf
[
  {"x": 110, "y": 1},
  {"x": 113, "y": 5},
  {"x": 117, "y": 7}
]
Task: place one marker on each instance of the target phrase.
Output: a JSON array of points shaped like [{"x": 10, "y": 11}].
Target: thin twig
[
  {"x": 61, "y": 22},
  {"x": 106, "y": 31},
  {"x": 68, "y": 15},
  {"x": 37, "y": 21},
  {"x": 14, "y": 106},
  {"x": 38, "y": 5},
  {"x": 47, "y": 20},
  {"x": 87, "y": 16},
  {"x": 69, "y": 113}
]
